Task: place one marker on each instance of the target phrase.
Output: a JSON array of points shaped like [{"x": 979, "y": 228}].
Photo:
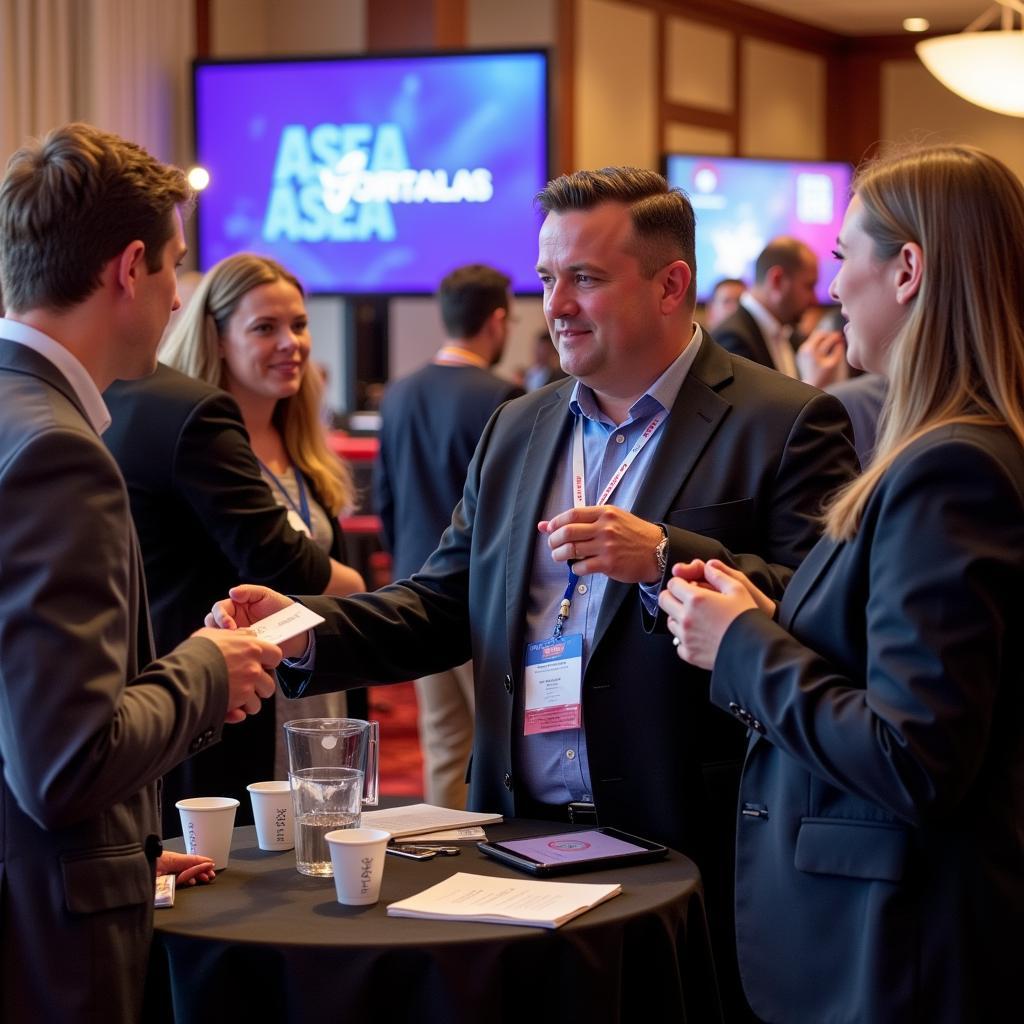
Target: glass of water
[{"x": 325, "y": 799}]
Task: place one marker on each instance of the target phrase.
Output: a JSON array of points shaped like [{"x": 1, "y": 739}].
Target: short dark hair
[
  {"x": 663, "y": 219},
  {"x": 723, "y": 281},
  {"x": 70, "y": 203},
  {"x": 469, "y": 295},
  {"x": 785, "y": 252}
]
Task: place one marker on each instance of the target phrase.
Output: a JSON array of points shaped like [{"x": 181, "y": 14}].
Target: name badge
[{"x": 554, "y": 681}]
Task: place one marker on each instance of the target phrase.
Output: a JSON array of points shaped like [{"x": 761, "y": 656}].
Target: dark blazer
[
  {"x": 746, "y": 458},
  {"x": 881, "y": 837},
  {"x": 739, "y": 334},
  {"x": 206, "y": 521},
  {"x": 85, "y": 728},
  {"x": 431, "y": 422}
]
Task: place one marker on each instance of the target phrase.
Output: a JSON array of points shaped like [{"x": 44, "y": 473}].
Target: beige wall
[{"x": 246, "y": 28}]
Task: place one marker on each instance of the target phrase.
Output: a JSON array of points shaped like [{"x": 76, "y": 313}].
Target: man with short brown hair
[{"x": 90, "y": 237}]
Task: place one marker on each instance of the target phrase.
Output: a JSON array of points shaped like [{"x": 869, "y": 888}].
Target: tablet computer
[{"x": 567, "y": 852}]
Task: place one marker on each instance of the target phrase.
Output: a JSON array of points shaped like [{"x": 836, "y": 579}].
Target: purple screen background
[
  {"x": 454, "y": 111},
  {"x": 753, "y": 201}
]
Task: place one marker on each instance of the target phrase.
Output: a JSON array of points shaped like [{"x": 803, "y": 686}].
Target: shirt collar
[
  {"x": 72, "y": 370},
  {"x": 769, "y": 324},
  {"x": 660, "y": 396}
]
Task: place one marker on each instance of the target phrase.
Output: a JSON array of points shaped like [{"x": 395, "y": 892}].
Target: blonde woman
[
  {"x": 230, "y": 479},
  {"x": 880, "y": 850}
]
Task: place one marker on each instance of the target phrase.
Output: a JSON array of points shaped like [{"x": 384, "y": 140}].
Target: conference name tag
[
  {"x": 553, "y": 680},
  {"x": 286, "y": 623}
]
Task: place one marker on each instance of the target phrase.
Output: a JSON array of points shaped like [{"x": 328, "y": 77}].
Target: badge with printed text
[{"x": 553, "y": 681}]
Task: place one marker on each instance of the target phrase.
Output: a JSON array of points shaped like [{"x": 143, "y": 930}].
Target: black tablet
[{"x": 566, "y": 852}]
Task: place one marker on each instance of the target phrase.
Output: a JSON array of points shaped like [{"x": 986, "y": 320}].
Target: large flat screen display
[
  {"x": 742, "y": 204},
  {"x": 375, "y": 175}
]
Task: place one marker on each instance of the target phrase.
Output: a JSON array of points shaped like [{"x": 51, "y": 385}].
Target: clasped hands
[{"x": 701, "y": 600}]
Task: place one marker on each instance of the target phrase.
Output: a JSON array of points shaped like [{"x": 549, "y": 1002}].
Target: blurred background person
[
  {"x": 724, "y": 301},
  {"x": 761, "y": 328},
  {"x": 545, "y": 366},
  {"x": 230, "y": 479},
  {"x": 880, "y": 840},
  {"x": 431, "y": 422}
]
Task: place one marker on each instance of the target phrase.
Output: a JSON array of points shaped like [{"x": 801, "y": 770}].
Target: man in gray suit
[{"x": 90, "y": 235}]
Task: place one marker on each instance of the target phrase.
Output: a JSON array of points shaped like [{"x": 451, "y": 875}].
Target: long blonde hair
[
  {"x": 959, "y": 355},
  {"x": 193, "y": 347}
]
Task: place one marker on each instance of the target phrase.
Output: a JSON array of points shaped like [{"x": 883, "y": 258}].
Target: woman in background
[{"x": 880, "y": 847}]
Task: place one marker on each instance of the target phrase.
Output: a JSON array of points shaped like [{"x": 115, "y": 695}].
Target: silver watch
[{"x": 661, "y": 553}]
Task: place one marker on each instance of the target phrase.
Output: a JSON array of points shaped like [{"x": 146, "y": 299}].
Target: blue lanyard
[{"x": 303, "y": 506}]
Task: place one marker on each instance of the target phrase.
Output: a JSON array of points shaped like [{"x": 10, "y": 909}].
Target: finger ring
[{"x": 675, "y": 641}]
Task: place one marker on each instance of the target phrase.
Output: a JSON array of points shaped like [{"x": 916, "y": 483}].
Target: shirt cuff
[
  {"x": 307, "y": 660},
  {"x": 649, "y": 596}
]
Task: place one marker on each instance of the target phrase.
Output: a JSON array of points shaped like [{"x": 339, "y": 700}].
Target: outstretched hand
[{"x": 247, "y": 604}]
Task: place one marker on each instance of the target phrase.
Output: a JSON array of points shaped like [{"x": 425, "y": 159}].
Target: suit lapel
[
  {"x": 548, "y": 442},
  {"x": 22, "y": 359},
  {"x": 805, "y": 578},
  {"x": 694, "y": 418},
  {"x": 757, "y": 338}
]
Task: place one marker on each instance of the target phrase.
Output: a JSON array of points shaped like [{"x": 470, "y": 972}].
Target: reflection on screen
[{"x": 742, "y": 204}]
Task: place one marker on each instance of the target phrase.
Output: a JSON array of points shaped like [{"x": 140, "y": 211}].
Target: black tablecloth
[{"x": 264, "y": 943}]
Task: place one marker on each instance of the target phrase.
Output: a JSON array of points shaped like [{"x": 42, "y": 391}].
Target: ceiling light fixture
[
  {"x": 916, "y": 24},
  {"x": 983, "y": 67}
]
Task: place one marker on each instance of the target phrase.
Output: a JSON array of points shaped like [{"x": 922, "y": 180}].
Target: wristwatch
[{"x": 661, "y": 552}]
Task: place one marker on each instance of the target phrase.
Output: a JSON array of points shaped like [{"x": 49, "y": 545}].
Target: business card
[{"x": 286, "y": 623}]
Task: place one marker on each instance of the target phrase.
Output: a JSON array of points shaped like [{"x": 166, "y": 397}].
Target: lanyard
[
  {"x": 303, "y": 507},
  {"x": 579, "y": 494}
]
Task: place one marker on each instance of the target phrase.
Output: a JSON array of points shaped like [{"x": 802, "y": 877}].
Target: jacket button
[
  {"x": 508, "y": 780},
  {"x": 153, "y": 847},
  {"x": 508, "y": 684},
  {"x": 757, "y": 726},
  {"x": 734, "y": 708}
]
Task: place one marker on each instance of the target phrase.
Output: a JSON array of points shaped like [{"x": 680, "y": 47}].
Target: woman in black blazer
[{"x": 880, "y": 847}]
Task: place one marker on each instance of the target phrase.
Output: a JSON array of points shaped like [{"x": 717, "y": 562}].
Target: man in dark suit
[
  {"x": 785, "y": 277},
  {"x": 431, "y": 422},
  {"x": 90, "y": 234},
  {"x": 714, "y": 456}
]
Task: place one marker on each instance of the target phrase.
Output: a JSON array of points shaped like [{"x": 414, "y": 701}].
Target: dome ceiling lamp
[{"x": 984, "y": 65}]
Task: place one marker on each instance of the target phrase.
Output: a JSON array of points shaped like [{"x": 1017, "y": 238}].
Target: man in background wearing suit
[
  {"x": 785, "y": 277},
  {"x": 90, "y": 235},
  {"x": 715, "y": 457},
  {"x": 431, "y": 422}
]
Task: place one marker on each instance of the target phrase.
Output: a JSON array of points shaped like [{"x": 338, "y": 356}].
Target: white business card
[{"x": 286, "y": 623}]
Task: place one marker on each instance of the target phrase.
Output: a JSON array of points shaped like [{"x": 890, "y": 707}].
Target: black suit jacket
[
  {"x": 431, "y": 423},
  {"x": 881, "y": 848},
  {"x": 746, "y": 458},
  {"x": 206, "y": 521},
  {"x": 739, "y": 334},
  {"x": 88, "y": 722}
]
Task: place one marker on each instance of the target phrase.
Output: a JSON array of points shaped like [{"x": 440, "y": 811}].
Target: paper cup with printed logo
[
  {"x": 206, "y": 824},
  {"x": 357, "y": 856},
  {"x": 272, "y": 812}
]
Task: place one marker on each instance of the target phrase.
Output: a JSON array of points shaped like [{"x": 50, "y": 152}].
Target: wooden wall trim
[
  {"x": 202, "y": 28},
  {"x": 563, "y": 139},
  {"x": 683, "y": 113}
]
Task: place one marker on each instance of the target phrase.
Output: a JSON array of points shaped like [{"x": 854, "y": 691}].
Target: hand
[
  {"x": 693, "y": 572},
  {"x": 189, "y": 867},
  {"x": 247, "y": 658},
  {"x": 245, "y": 605},
  {"x": 698, "y": 616},
  {"x": 605, "y": 539},
  {"x": 821, "y": 359}
]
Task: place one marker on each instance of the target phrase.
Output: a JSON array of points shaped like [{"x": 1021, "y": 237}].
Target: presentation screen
[
  {"x": 375, "y": 175},
  {"x": 742, "y": 204}
]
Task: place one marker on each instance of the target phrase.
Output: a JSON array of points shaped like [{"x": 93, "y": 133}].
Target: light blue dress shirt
[{"x": 552, "y": 767}]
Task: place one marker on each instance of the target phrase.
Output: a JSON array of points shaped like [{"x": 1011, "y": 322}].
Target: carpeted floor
[{"x": 401, "y": 762}]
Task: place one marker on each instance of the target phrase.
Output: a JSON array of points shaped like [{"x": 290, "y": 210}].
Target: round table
[{"x": 264, "y": 943}]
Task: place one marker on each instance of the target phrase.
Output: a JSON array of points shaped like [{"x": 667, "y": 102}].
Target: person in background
[
  {"x": 863, "y": 398},
  {"x": 724, "y": 301},
  {"x": 431, "y": 423},
  {"x": 90, "y": 238},
  {"x": 545, "y": 366},
  {"x": 881, "y": 810},
  {"x": 721, "y": 456},
  {"x": 230, "y": 479},
  {"x": 785, "y": 276}
]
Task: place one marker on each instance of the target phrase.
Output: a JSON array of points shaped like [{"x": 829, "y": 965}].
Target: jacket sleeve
[
  {"x": 216, "y": 472},
  {"x": 945, "y": 570},
  {"x": 76, "y": 735}
]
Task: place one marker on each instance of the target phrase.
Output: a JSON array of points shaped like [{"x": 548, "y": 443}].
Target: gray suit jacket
[{"x": 87, "y": 723}]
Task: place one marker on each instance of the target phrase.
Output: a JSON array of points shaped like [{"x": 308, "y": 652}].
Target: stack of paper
[
  {"x": 465, "y": 897},
  {"x": 414, "y": 819}
]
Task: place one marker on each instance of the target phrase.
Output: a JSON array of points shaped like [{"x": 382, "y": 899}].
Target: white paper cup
[
  {"x": 272, "y": 812},
  {"x": 206, "y": 824},
  {"x": 357, "y": 856}
]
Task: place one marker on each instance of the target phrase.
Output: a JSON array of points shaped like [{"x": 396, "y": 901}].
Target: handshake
[{"x": 231, "y": 626}]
